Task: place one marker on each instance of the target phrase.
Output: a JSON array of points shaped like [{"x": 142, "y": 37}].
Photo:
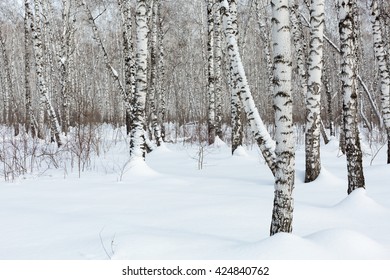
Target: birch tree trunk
[
  {"x": 125, "y": 7},
  {"x": 350, "y": 95},
  {"x": 66, "y": 49},
  {"x": 29, "y": 123},
  {"x": 282, "y": 214},
  {"x": 137, "y": 135},
  {"x": 329, "y": 98},
  {"x": 211, "y": 74},
  {"x": 300, "y": 45},
  {"x": 236, "y": 106},
  {"x": 161, "y": 73},
  {"x": 8, "y": 87},
  {"x": 260, "y": 133},
  {"x": 313, "y": 99},
  {"x": 381, "y": 57},
  {"x": 45, "y": 103},
  {"x": 218, "y": 73},
  {"x": 153, "y": 73}
]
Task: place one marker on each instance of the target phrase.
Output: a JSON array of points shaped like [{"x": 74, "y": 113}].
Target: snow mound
[
  {"x": 218, "y": 143},
  {"x": 138, "y": 167},
  {"x": 240, "y": 152},
  {"x": 358, "y": 201},
  {"x": 282, "y": 246},
  {"x": 348, "y": 244}
]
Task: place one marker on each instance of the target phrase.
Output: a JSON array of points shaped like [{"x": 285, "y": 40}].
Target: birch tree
[
  {"x": 236, "y": 106},
  {"x": 282, "y": 213},
  {"x": 313, "y": 99},
  {"x": 45, "y": 103},
  {"x": 8, "y": 87},
  {"x": 260, "y": 133},
  {"x": 29, "y": 123},
  {"x": 218, "y": 73},
  {"x": 211, "y": 74},
  {"x": 350, "y": 94},
  {"x": 137, "y": 135},
  {"x": 66, "y": 50},
  {"x": 381, "y": 57},
  {"x": 161, "y": 72},
  {"x": 153, "y": 72}
]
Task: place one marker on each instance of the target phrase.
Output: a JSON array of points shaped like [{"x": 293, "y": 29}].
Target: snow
[{"x": 168, "y": 208}]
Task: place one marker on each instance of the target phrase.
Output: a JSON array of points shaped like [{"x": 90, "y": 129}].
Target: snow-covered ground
[{"x": 169, "y": 208}]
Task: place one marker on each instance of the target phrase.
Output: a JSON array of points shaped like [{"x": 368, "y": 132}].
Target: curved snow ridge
[
  {"x": 360, "y": 202},
  {"x": 282, "y": 246},
  {"x": 348, "y": 244}
]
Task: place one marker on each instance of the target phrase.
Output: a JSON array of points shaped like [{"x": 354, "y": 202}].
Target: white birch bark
[
  {"x": 329, "y": 97},
  {"x": 362, "y": 83},
  {"x": 153, "y": 74},
  {"x": 211, "y": 74},
  {"x": 300, "y": 45},
  {"x": 260, "y": 133},
  {"x": 125, "y": 7},
  {"x": 381, "y": 57},
  {"x": 282, "y": 214},
  {"x": 28, "y": 17},
  {"x": 350, "y": 95},
  {"x": 45, "y": 103},
  {"x": 66, "y": 49},
  {"x": 218, "y": 73},
  {"x": 161, "y": 73},
  {"x": 236, "y": 106},
  {"x": 313, "y": 99},
  {"x": 7, "y": 94},
  {"x": 137, "y": 135}
]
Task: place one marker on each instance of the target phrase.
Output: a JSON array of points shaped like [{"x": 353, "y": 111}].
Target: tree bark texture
[
  {"x": 314, "y": 88},
  {"x": 137, "y": 135},
  {"x": 260, "y": 133},
  {"x": 350, "y": 95},
  {"x": 381, "y": 57},
  {"x": 282, "y": 214}
]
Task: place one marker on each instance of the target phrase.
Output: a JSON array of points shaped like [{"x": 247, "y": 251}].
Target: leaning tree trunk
[
  {"x": 261, "y": 135},
  {"x": 211, "y": 74},
  {"x": 350, "y": 95},
  {"x": 381, "y": 57},
  {"x": 42, "y": 87},
  {"x": 282, "y": 214},
  {"x": 314, "y": 88},
  {"x": 137, "y": 135}
]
